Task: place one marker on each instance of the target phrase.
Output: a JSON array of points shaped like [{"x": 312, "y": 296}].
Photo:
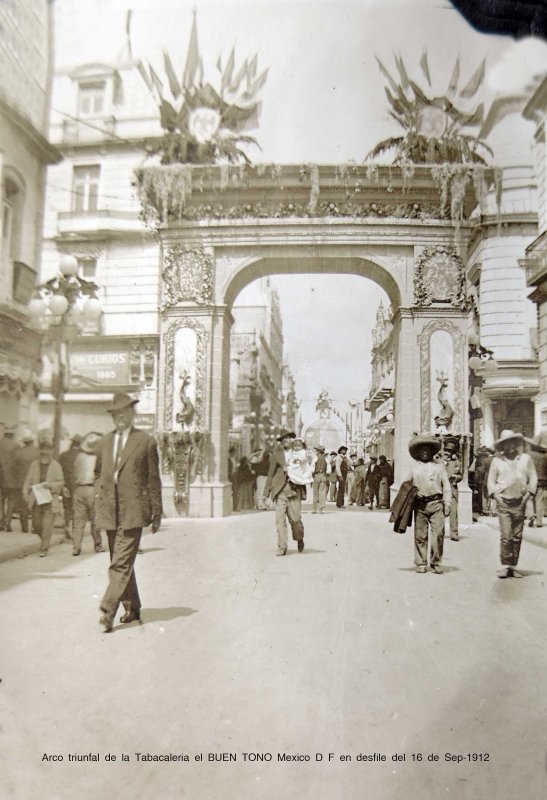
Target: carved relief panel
[
  {"x": 439, "y": 277},
  {"x": 187, "y": 275},
  {"x": 185, "y": 343},
  {"x": 442, "y": 378}
]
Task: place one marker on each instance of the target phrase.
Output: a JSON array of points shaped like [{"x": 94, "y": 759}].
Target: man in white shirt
[
  {"x": 512, "y": 481},
  {"x": 432, "y": 503}
]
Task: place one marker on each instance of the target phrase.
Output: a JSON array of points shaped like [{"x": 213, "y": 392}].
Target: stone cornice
[{"x": 47, "y": 152}]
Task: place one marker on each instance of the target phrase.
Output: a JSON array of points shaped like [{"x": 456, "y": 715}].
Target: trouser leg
[
  {"x": 322, "y": 493},
  {"x": 505, "y": 520},
  {"x": 294, "y": 513},
  {"x": 421, "y": 527},
  {"x": 122, "y": 583},
  {"x": 539, "y": 506},
  {"x": 436, "y": 526},
  {"x": 316, "y": 487},
  {"x": 454, "y": 516},
  {"x": 23, "y": 512},
  {"x": 47, "y": 523},
  {"x": 516, "y": 537},
  {"x": 11, "y": 504},
  {"x": 80, "y": 516},
  {"x": 281, "y": 520},
  {"x": 341, "y": 492}
]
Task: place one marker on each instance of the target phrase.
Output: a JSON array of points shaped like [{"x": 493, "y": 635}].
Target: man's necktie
[{"x": 119, "y": 450}]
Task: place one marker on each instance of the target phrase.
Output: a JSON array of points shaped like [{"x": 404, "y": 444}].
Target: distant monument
[{"x": 328, "y": 429}]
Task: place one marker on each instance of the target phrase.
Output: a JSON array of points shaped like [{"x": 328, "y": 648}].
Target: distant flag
[
  {"x": 258, "y": 84},
  {"x": 145, "y": 76},
  {"x": 239, "y": 77},
  {"x": 402, "y": 71},
  {"x": 386, "y": 74},
  {"x": 193, "y": 58},
  {"x": 425, "y": 66},
  {"x": 128, "y": 32},
  {"x": 174, "y": 85},
  {"x": 475, "y": 81},
  {"x": 157, "y": 82},
  {"x": 454, "y": 80},
  {"x": 228, "y": 71},
  {"x": 252, "y": 67}
]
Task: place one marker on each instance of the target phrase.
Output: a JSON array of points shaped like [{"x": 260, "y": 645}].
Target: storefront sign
[
  {"x": 92, "y": 369},
  {"x": 146, "y": 422}
]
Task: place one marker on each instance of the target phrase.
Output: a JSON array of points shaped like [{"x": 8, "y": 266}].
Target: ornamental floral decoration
[
  {"x": 187, "y": 275},
  {"x": 203, "y": 120},
  {"x": 439, "y": 277}
]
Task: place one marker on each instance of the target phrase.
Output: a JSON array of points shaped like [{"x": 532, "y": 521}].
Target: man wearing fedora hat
[
  {"x": 24, "y": 456},
  {"x": 512, "y": 481},
  {"x": 84, "y": 493},
  {"x": 320, "y": 480},
  {"x": 127, "y": 498},
  {"x": 432, "y": 502},
  {"x": 286, "y": 495},
  {"x": 342, "y": 469}
]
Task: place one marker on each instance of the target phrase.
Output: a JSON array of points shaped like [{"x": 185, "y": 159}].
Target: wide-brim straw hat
[
  {"x": 120, "y": 401},
  {"x": 508, "y": 436},
  {"x": 415, "y": 444}
]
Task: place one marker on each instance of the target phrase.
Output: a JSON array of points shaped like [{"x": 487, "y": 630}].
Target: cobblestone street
[{"x": 343, "y": 649}]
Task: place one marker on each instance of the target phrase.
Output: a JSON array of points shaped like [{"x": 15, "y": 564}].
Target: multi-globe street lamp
[{"x": 60, "y": 307}]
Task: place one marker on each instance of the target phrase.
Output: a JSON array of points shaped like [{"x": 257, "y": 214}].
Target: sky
[{"x": 323, "y": 102}]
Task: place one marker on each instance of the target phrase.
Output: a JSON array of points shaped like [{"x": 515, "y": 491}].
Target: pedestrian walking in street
[
  {"x": 432, "y": 502},
  {"x": 84, "y": 494},
  {"x": 350, "y": 478},
  {"x": 539, "y": 457},
  {"x": 286, "y": 495},
  {"x": 128, "y": 498},
  {"x": 320, "y": 480},
  {"x": 244, "y": 483},
  {"x": 66, "y": 460},
  {"x": 24, "y": 456},
  {"x": 454, "y": 471},
  {"x": 333, "y": 480},
  {"x": 512, "y": 481},
  {"x": 359, "y": 484},
  {"x": 299, "y": 465},
  {"x": 372, "y": 482},
  {"x": 42, "y": 492},
  {"x": 342, "y": 468},
  {"x": 9, "y": 490},
  {"x": 384, "y": 474},
  {"x": 260, "y": 464}
]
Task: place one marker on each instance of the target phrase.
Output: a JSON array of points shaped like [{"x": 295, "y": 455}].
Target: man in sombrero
[
  {"x": 432, "y": 503},
  {"x": 512, "y": 481}
]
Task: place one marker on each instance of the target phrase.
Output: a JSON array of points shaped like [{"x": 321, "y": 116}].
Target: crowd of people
[{"x": 335, "y": 477}]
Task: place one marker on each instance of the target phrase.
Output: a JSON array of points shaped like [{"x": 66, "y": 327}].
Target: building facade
[
  {"x": 380, "y": 400},
  {"x": 25, "y": 153}
]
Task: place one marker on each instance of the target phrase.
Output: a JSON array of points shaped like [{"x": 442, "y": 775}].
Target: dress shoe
[
  {"x": 514, "y": 573},
  {"x": 99, "y": 549},
  {"x": 504, "y": 572},
  {"x": 107, "y": 622},
  {"x": 130, "y": 616},
  {"x": 76, "y": 551},
  {"x": 281, "y": 551},
  {"x": 455, "y": 538},
  {"x": 300, "y": 545},
  {"x": 43, "y": 553},
  {"x": 421, "y": 569},
  {"x": 436, "y": 569}
]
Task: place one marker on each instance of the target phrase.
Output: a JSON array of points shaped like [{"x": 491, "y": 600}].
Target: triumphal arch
[{"x": 222, "y": 227}]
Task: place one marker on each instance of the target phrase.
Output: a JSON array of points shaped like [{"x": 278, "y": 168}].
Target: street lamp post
[{"x": 60, "y": 306}]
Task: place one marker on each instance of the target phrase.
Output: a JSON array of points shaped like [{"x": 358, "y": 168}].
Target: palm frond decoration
[
  {"x": 203, "y": 123},
  {"x": 436, "y": 128}
]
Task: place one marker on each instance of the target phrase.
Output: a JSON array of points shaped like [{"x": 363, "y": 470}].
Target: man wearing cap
[
  {"x": 320, "y": 480},
  {"x": 66, "y": 460},
  {"x": 127, "y": 498},
  {"x": 286, "y": 495},
  {"x": 84, "y": 494},
  {"x": 432, "y": 502},
  {"x": 24, "y": 456},
  {"x": 342, "y": 468},
  {"x": 41, "y": 491},
  {"x": 454, "y": 471},
  {"x": 8, "y": 481},
  {"x": 372, "y": 482},
  {"x": 512, "y": 481}
]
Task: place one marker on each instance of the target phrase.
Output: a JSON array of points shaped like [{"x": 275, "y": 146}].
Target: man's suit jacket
[
  {"x": 277, "y": 473},
  {"x": 139, "y": 483}
]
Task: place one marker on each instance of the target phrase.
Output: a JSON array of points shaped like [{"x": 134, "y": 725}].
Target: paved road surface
[{"x": 342, "y": 649}]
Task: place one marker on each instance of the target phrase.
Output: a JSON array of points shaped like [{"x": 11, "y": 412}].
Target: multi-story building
[
  {"x": 289, "y": 409},
  {"x": 25, "y": 77},
  {"x": 379, "y": 403},
  {"x": 104, "y": 122},
  {"x": 256, "y": 365},
  {"x": 535, "y": 260},
  {"x": 503, "y": 316}
]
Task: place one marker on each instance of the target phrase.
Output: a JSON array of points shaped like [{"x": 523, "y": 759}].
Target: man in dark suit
[
  {"x": 128, "y": 498},
  {"x": 287, "y": 495}
]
